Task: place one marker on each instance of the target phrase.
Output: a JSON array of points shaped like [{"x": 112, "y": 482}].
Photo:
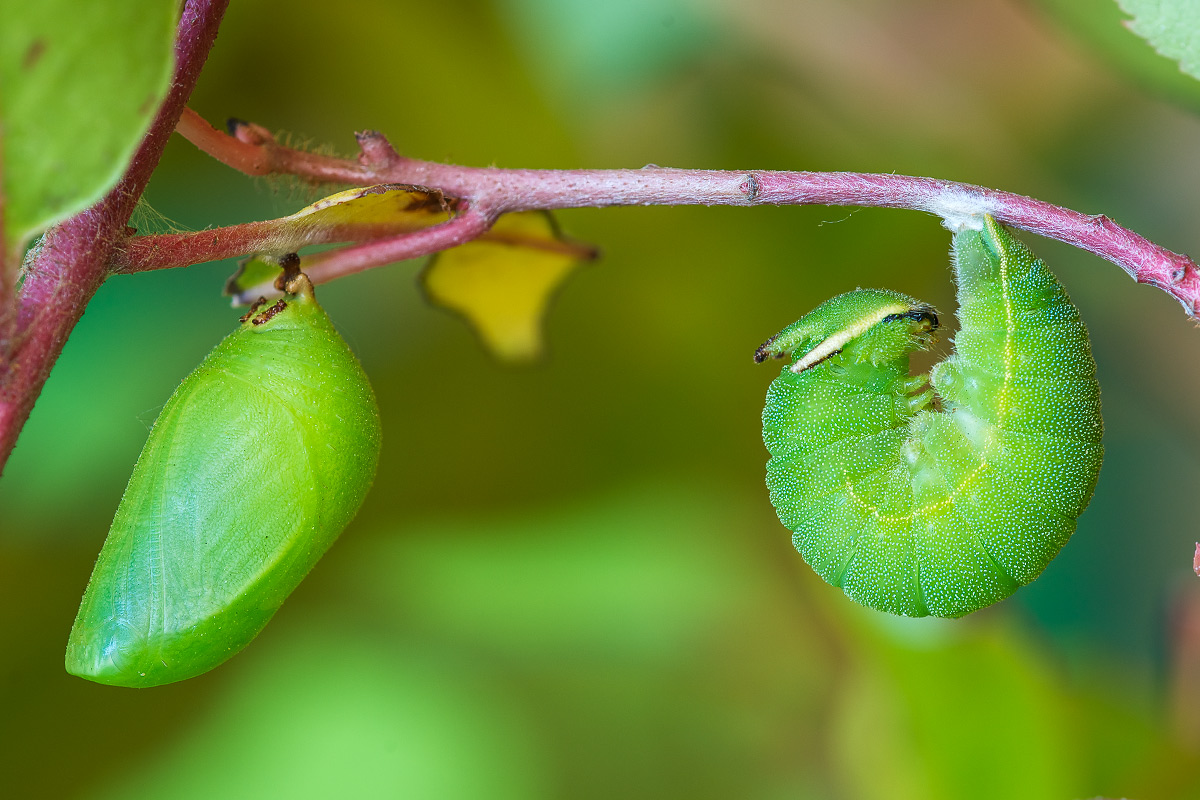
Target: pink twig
[
  {"x": 170, "y": 250},
  {"x": 253, "y": 150},
  {"x": 331, "y": 264},
  {"x": 388, "y": 242},
  {"x": 252, "y": 159},
  {"x": 496, "y": 191},
  {"x": 73, "y": 259}
]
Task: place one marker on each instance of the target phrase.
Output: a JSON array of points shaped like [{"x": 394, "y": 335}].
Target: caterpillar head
[{"x": 870, "y": 324}]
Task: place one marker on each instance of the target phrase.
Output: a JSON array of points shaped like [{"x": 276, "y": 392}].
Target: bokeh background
[{"x": 568, "y": 582}]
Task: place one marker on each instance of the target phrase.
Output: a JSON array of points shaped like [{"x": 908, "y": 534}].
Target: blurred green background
[{"x": 568, "y": 582}]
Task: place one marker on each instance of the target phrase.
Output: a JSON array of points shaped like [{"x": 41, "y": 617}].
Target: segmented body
[
  {"x": 255, "y": 465},
  {"x": 916, "y": 510}
]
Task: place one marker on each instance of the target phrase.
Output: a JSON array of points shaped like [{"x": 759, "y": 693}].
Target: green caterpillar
[
  {"x": 915, "y": 510},
  {"x": 255, "y": 465}
]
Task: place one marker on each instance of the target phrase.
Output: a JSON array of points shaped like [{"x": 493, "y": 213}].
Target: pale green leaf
[
  {"x": 941, "y": 711},
  {"x": 1172, "y": 27},
  {"x": 1102, "y": 28},
  {"x": 327, "y": 712},
  {"x": 253, "y": 273},
  {"x": 79, "y": 85}
]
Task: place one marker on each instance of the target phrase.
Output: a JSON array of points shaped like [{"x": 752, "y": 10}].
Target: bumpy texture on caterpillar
[
  {"x": 255, "y": 465},
  {"x": 921, "y": 511}
]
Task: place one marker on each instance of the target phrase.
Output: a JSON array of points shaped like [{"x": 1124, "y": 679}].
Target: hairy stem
[
  {"x": 492, "y": 192},
  {"x": 72, "y": 261},
  {"x": 324, "y": 267}
]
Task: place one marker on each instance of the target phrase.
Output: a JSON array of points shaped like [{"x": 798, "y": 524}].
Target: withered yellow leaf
[
  {"x": 386, "y": 208},
  {"x": 368, "y": 212},
  {"x": 502, "y": 282}
]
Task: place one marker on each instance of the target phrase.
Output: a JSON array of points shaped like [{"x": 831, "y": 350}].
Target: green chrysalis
[
  {"x": 255, "y": 465},
  {"x": 918, "y": 510}
]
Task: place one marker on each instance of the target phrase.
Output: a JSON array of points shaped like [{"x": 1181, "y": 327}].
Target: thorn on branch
[
  {"x": 376, "y": 150},
  {"x": 249, "y": 133},
  {"x": 750, "y": 187}
]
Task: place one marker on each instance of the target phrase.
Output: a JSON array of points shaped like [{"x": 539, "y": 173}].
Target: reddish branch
[
  {"x": 74, "y": 256},
  {"x": 324, "y": 267},
  {"x": 487, "y": 193}
]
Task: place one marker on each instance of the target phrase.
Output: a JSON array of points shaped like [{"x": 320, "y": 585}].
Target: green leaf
[
  {"x": 585, "y": 49},
  {"x": 81, "y": 83},
  {"x": 258, "y": 270},
  {"x": 642, "y": 574},
  {"x": 1171, "y": 26},
  {"x": 1103, "y": 28},
  {"x": 331, "y": 712},
  {"x": 502, "y": 282},
  {"x": 944, "y": 711}
]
